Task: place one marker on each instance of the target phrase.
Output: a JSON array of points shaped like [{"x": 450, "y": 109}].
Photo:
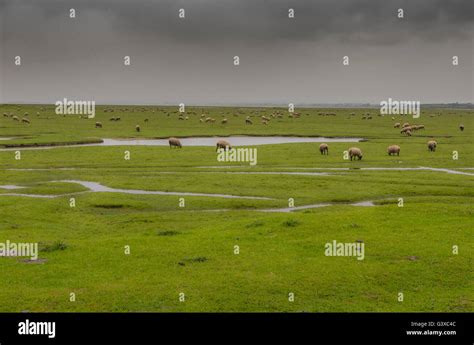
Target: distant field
[{"x": 191, "y": 249}]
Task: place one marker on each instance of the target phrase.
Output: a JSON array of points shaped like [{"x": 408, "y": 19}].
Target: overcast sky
[{"x": 282, "y": 60}]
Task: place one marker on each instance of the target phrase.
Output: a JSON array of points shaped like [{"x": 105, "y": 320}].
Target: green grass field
[{"x": 191, "y": 249}]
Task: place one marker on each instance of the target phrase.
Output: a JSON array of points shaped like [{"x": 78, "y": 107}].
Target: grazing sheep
[
  {"x": 248, "y": 121},
  {"x": 405, "y": 130},
  {"x": 408, "y": 133},
  {"x": 324, "y": 149},
  {"x": 224, "y": 121},
  {"x": 461, "y": 127},
  {"x": 393, "y": 150},
  {"x": 432, "y": 145},
  {"x": 264, "y": 122},
  {"x": 137, "y": 128},
  {"x": 210, "y": 119},
  {"x": 222, "y": 144},
  {"x": 25, "y": 120},
  {"x": 15, "y": 118},
  {"x": 174, "y": 142},
  {"x": 406, "y": 124},
  {"x": 146, "y": 120},
  {"x": 355, "y": 152},
  {"x": 98, "y": 125},
  {"x": 420, "y": 127},
  {"x": 397, "y": 125},
  {"x": 264, "y": 118},
  {"x": 5, "y": 115}
]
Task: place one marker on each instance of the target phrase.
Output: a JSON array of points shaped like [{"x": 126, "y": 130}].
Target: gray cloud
[
  {"x": 266, "y": 20},
  {"x": 191, "y": 58}
]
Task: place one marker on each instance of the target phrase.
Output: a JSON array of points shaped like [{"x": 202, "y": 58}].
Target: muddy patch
[
  {"x": 413, "y": 258},
  {"x": 109, "y": 206},
  {"x": 199, "y": 259},
  {"x": 38, "y": 261},
  {"x": 168, "y": 233}
]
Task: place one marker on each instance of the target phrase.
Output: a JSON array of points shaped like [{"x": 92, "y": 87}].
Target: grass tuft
[
  {"x": 291, "y": 223},
  {"x": 52, "y": 247},
  {"x": 168, "y": 233}
]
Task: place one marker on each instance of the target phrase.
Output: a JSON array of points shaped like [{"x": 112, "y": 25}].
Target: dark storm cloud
[
  {"x": 191, "y": 60},
  {"x": 367, "y": 21}
]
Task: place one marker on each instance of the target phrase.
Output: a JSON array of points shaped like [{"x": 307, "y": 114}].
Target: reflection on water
[{"x": 234, "y": 140}]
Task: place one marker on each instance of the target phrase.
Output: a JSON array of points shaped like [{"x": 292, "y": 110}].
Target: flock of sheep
[
  {"x": 24, "y": 119},
  {"x": 205, "y": 118},
  {"x": 221, "y": 144},
  {"x": 354, "y": 153},
  {"x": 408, "y": 129}
]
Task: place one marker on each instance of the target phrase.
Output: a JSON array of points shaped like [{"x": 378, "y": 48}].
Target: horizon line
[{"x": 265, "y": 105}]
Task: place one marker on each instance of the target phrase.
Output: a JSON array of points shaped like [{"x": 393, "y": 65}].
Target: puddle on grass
[
  {"x": 10, "y": 186},
  {"x": 38, "y": 169},
  {"x": 97, "y": 187},
  {"x": 304, "y": 207},
  {"x": 40, "y": 196},
  {"x": 253, "y": 173},
  {"x": 38, "y": 261},
  {"x": 206, "y": 141},
  {"x": 234, "y": 140},
  {"x": 445, "y": 170}
]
